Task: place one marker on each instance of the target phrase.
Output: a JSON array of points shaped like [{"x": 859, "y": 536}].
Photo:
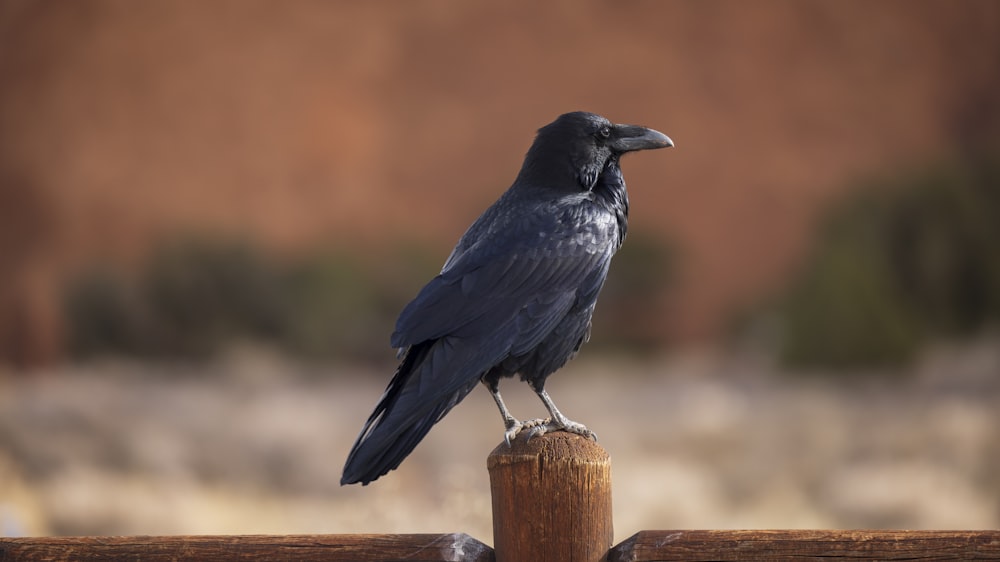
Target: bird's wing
[{"x": 529, "y": 269}]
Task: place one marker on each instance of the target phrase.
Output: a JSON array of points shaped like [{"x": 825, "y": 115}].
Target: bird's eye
[{"x": 604, "y": 132}]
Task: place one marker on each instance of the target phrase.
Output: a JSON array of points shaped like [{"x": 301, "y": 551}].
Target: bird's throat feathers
[{"x": 609, "y": 190}]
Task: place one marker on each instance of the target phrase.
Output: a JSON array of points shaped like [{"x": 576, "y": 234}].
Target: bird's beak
[{"x": 633, "y": 137}]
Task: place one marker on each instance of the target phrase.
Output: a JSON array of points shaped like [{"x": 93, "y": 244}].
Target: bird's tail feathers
[{"x": 407, "y": 410}]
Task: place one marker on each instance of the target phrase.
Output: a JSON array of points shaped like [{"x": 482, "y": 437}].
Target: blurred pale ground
[{"x": 255, "y": 443}]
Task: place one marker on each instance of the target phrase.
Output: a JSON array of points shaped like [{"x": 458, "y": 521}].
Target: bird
[{"x": 515, "y": 296}]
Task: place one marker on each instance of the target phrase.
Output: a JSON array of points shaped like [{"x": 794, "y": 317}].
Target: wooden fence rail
[
  {"x": 551, "y": 502},
  {"x": 808, "y": 545},
  {"x": 304, "y": 548}
]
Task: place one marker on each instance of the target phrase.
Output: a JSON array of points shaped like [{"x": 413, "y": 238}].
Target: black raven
[{"x": 516, "y": 294}]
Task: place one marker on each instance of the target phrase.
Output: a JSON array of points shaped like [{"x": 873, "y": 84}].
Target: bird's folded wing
[{"x": 524, "y": 274}]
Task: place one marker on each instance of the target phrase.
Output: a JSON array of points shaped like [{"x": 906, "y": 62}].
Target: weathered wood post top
[{"x": 551, "y": 499}]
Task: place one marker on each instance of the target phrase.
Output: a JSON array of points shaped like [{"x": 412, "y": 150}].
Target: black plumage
[{"x": 516, "y": 294}]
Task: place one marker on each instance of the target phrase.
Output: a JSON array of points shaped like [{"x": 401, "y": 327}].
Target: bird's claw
[
  {"x": 569, "y": 426},
  {"x": 580, "y": 429},
  {"x": 515, "y": 428},
  {"x": 511, "y": 433}
]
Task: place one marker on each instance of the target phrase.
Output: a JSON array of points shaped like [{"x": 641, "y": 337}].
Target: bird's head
[{"x": 575, "y": 148}]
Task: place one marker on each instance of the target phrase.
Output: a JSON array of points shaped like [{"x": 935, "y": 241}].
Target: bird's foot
[
  {"x": 515, "y": 427},
  {"x": 556, "y": 425}
]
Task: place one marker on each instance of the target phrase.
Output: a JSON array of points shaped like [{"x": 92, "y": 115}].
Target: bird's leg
[
  {"x": 558, "y": 422},
  {"x": 511, "y": 424}
]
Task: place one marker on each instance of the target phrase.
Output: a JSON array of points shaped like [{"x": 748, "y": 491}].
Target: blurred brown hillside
[{"x": 360, "y": 124}]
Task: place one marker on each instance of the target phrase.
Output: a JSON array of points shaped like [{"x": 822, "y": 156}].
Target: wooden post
[{"x": 551, "y": 499}]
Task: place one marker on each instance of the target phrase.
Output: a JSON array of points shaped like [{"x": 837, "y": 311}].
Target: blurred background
[{"x": 211, "y": 213}]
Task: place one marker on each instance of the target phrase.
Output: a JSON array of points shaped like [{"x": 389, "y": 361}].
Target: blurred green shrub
[
  {"x": 100, "y": 316},
  {"x": 334, "y": 309},
  {"x": 197, "y": 295},
  {"x": 189, "y": 298},
  {"x": 898, "y": 263}
]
